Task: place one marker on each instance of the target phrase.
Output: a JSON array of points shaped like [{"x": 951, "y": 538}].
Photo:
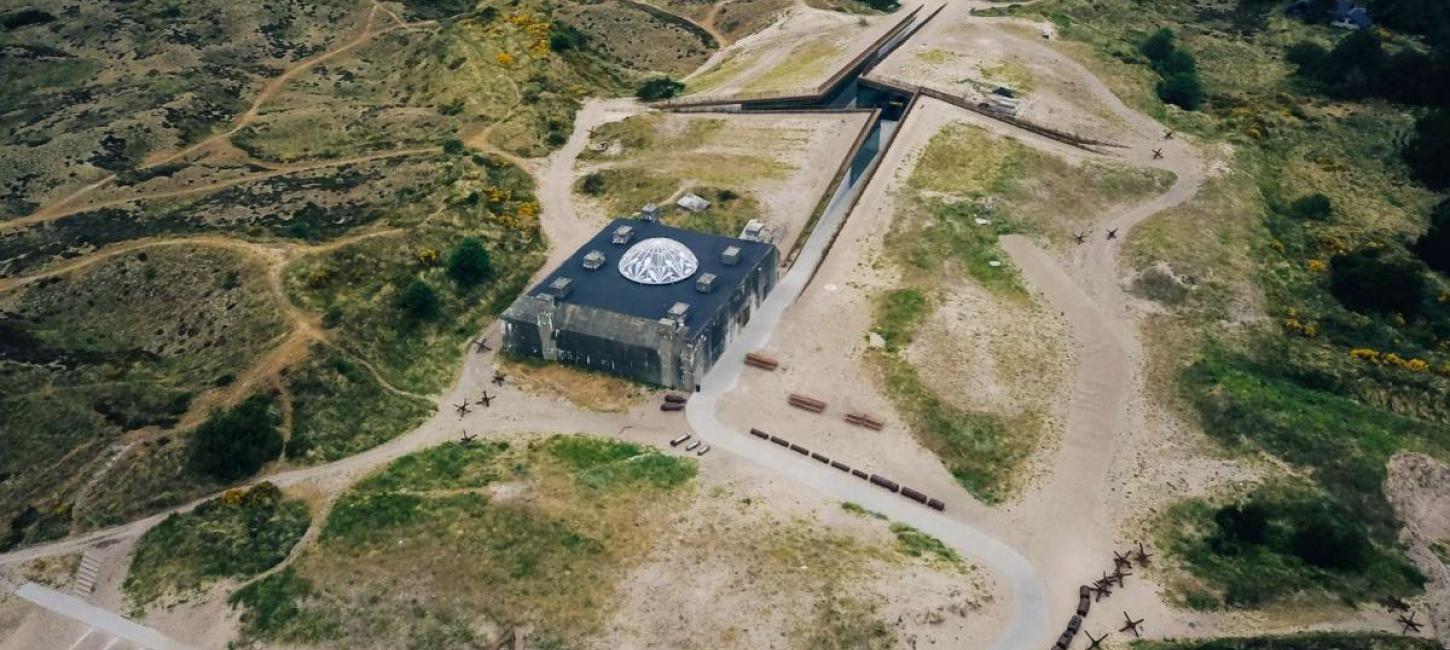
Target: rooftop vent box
[
  {"x": 623, "y": 234},
  {"x": 731, "y": 256},
  {"x": 561, "y": 287},
  {"x": 705, "y": 283},
  {"x": 650, "y": 212},
  {"x": 593, "y": 260},
  {"x": 679, "y": 311}
]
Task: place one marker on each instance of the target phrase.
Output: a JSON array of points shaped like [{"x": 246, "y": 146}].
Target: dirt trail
[
  {"x": 1109, "y": 402},
  {"x": 209, "y": 188},
  {"x": 515, "y": 410},
  {"x": 563, "y": 228},
  {"x": 269, "y": 91}
]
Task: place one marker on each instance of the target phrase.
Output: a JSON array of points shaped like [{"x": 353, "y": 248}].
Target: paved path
[
  {"x": 1028, "y": 625},
  {"x": 100, "y": 619}
]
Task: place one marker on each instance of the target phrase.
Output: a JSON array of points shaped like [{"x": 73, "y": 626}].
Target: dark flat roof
[{"x": 606, "y": 289}]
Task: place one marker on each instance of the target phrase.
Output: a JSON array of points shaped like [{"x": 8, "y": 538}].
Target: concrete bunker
[{"x": 662, "y": 314}]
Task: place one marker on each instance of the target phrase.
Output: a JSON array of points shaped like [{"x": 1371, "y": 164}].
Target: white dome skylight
[{"x": 658, "y": 260}]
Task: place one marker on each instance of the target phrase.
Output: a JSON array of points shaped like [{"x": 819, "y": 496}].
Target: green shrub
[
  {"x": 419, "y": 302},
  {"x": 659, "y": 88},
  {"x": 1178, "y": 82},
  {"x": 1312, "y": 207},
  {"x": 1159, "y": 45},
  {"x": 1179, "y": 62},
  {"x": 1182, "y": 90},
  {"x": 232, "y": 445},
  {"x": 1373, "y": 280},
  {"x": 469, "y": 263},
  {"x": 1241, "y": 524},
  {"x": 453, "y": 146},
  {"x": 1308, "y": 57},
  {"x": 563, "y": 38},
  {"x": 1433, "y": 247},
  {"x": 592, "y": 184},
  {"x": 1427, "y": 153}
]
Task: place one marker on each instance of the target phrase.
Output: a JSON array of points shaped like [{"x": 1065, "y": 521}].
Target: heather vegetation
[
  {"x": 357, "y": 181},
  {"x": 237, "y": 535}
]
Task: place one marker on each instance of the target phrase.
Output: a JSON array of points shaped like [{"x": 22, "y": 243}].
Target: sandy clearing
[
  {"x": 969, "y": 56},
  {"x": 809, "y": 148},
  {"x": 800, "y": 51}
]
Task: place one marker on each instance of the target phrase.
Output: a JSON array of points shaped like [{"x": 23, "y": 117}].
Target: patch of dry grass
[{"x": 589, "y": 390}]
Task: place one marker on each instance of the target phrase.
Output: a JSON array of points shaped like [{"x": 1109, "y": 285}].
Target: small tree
[
  {"x": 593, "y": 184},
  {"x": 1159, "y": 45},
  {"x": 659, "y": 88},
  {"x": 453, "y": 146},
  {"x": 1313, "y": 207},
  {"x": 232, "y": 445},
  {"x": 564, "y": 37},
  {"x": 1309, "y": 57},
  {"x": 469, "y": 263},
  {"x": 418, "y": 301},
  {"x": 1433, "y": 247},
  {"x": 1368, "y": 280},
  {"x": 1427, "y": 153},
  {"x": 1179, "y": 62},
  {"x": 1182, "y": 90}
]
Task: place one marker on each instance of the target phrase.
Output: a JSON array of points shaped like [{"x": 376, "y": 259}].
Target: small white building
[{"x": 693, "y": 203}]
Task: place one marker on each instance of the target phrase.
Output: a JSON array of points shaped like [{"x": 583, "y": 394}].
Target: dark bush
[
  {"x": 1312, "y": 207},
  {"x": 1179, "y": 62},
  {"x": 469, "y": 263},
  {"x": 233, "y": 445},
  {"x": 331, "y": 318},
  {"x": 1159, "y": 45},
  {"x": 1356, "y": 64},
  {"x": 1433, "y": 247},
  {"x": 1182, "y": 90},
  {"x": 418, "y": 301},
  {"x": 564, "y": 37},
  {"x": 25, "y": 18},
  {"x": 1428, "y": 153},
  {"x": 593, "y": 184},
  {"x": 1371, "y": 280},
  {"x": 1178, "y": 82},
  {"x": 1243, "y": 524},
  {"x": 659, "y": 88},
  {"x": 1308, "y": 57},
  {"x": 453, "y": 146},
  {"x": 1331, "y": 543}
]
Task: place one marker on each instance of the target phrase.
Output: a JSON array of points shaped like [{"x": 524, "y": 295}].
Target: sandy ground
[
  {"x": 810, "y": 147},
  {"x": 1418, "y": 488},
  {"x": 796, "y": 54},
  {"x": 748, "y": 589},
  {"x": 970, "y": 56}
]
